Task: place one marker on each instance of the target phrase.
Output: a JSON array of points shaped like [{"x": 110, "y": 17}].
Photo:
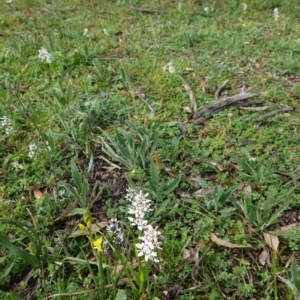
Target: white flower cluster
[
  {"x": 114, "y": 228},
  {"x": 244, "y": 6},
  {"x": 5, "y": 123},
  {"x": 149, "y": 244},
  {"x": 44, "y": 55},
  {"x": 32, "y": 150},
  {"x": 139, "y": 206}
]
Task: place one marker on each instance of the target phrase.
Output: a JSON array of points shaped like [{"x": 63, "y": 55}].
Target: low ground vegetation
[{"x": 109, "y": 190}]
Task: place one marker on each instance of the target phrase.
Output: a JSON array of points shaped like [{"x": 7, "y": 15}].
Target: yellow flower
[
  {"x": 98, "y": 244},
  {"x": 87, "y": 216},
  {"x": 82, "y": 227},
  {"x": 88, "y": 224}
]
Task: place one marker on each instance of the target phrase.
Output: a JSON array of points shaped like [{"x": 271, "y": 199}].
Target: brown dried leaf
[
  {"x": 272, "y": 241},
  {"x": 264, "y": 257},
  {"x": 248, "y": 190},
  {"x": 182, "y": 194},
  {"x": 289, "y": 227},
  {"x": 226, "y": 244},
  {"x": 141, "y": 92},
  {"x": 37, "y": 194},
  {"x": 204, "y": 191}
]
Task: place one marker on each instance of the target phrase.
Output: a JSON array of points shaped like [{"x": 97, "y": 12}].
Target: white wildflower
[
  {"x": 130, "y": 194},
  {"x": 139, "y": 206},
  {"x": 179, "y": 6},
  {"x": 298, "y": 41},
  {"x": 276, "y": 14},
  {"x": 206, "y": 9},
  {"x": 48, "y": 146},
  {"x": 169, "y": 67},
  {"x": 105, "y": 31},
  {"x": 113, "y": 226},
  {"x": 151, "y": 235},
  {"x": 146, "y": 250},
  {"x": 140, "y": 223},
  {"x": 149, "y": 244},
  {"x": 244, "y": 6},
  {"x": 118, "y": 239},
  {"x": 32, "y": 150},
  {"x": 44, "y": 55},
  {"x": 5, "y": 123},
  {"x": 85, "y": 31}
]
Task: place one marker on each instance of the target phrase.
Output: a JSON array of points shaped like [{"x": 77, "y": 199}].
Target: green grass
[{"x": 233, "y": 176}]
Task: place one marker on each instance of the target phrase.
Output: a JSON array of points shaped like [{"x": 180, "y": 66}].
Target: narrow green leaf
[
  {"x": 225, "y": 195},
  {"x": 84, "y": 194},
  {"x": 71, "y": 189},
  {"x": 33, "y": 260},
  {"x": 76, "y": 176},
  {"x": 5, "y": 272},
  {"x": 153, "y": 172},
  {"x": 162, "y": 208},
  {"x": 274, "y": 218},
  {"x": 295, "y": 275},
  {"x": 28, "y": 229},
  {"x": 77, "y": 211},
  {"x": 172, "y": 186}
]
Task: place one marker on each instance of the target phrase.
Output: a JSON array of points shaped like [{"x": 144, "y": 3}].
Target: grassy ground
[{"x": 76, "y": 135}]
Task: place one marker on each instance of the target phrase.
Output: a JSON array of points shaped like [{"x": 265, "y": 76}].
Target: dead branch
[{"x": 206, "y": 112}]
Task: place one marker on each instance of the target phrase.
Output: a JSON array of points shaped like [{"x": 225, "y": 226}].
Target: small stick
[
  {"x": 146, "y": 11},
  {"x": 273, "y": 113}
]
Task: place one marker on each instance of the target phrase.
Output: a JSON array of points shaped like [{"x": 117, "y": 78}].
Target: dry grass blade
[
  {"x": 226, "y": 244},
  {"x": 190, "y": 92},
  {"x": 289, "y": 227}
]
